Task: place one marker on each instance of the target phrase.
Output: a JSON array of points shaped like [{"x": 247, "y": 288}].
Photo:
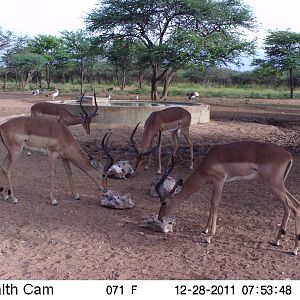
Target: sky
[{"x": 33, "y": 17}]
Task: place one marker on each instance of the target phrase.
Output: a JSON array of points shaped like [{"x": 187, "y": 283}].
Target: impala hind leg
[
  {"x": 52, "y": 159},
  {"x": 186, "y": 134},
  {"x": 279, "y": 191},
  {"x": 159, "y": 159},
  {"x": 297, "y": 230},
  {"x": 175, "y": 139},
  {"x": 67, "y": 167}
]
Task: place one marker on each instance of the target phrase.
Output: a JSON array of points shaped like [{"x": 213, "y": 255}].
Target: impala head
[
  {"x": 110, "y": 161},
  {"x": 143, "y": 152},
  {"x": 85, "y": 117},
  {"x": 165, "y": 208}
]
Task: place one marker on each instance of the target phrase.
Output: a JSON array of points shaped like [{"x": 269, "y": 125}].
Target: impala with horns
[
  {"x": 237, "y": 161},
  {"x": 171, "y": 119},
  {"x": 56, "y": 138},
  {"x": 61, "y": 114}
]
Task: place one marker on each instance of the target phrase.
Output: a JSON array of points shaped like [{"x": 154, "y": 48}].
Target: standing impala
[
  {"x": 169, "y": 119},
  {"x": 61, "y": 114},
  {"x": 56, "y": 138},
  {"x": 237, "y": 161}
]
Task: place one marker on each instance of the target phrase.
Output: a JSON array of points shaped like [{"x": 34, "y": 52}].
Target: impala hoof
[
  {"x": 54, "y": 203},
  {"x": 14, "y": 200},
  {"x": 276, "y": 244},
  {"x": 207, "y": 241},
  {"x": 205, "y": 231}
]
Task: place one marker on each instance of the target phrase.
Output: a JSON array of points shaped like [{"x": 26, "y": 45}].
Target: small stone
[{"x": 154, "y": 224}]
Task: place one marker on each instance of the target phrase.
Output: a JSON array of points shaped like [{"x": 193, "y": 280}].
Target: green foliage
[
  {"x": 5, "y": 39},
  {"x": 283, "y": 49},
  {"x": 176, "y": 33}
]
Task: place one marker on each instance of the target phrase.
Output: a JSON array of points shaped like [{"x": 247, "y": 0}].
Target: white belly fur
[{"x": 241, "y": 171}]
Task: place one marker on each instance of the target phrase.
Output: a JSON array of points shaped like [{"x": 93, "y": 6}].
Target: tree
[
  {"x": 6, "y": 38},
  {"x": 121, "y": 55},
  {"x": 176, "y": 33},
  {"x": 26, "y": 64},
  {"x": 50, "y": 47},
  {"x": 282, "y": 49},
  {"x": 80, "y": 48},
  {"x": 17, "y": 44}
]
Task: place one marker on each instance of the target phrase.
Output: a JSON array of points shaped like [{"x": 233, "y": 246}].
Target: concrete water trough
[{"x": 131, "y": 112}]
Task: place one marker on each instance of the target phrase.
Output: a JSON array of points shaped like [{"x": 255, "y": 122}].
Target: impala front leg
[
  {"x": 52, "y": 160},
  {"x": 67, "y": 167},
  {"x": 150, "y": 156},
  {"x": 212, "y": 218}
]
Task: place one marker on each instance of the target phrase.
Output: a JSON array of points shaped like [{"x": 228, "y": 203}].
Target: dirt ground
[{"x": 82, "y": 240}]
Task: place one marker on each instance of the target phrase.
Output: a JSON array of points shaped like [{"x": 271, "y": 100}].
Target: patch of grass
[{"x": 175, "y": 90}]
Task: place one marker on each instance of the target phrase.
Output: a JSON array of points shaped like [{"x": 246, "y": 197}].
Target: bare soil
[{"x": 82, "y": 240}]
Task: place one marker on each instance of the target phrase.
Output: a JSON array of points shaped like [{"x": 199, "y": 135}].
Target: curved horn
[
  {"x": 160, "y": 183},
  {"x": 96, "y": 107},
  {"x": 82, "y": 107},
  {"x": 111, "y": 161},
  {"x": 132, "y": 138}
]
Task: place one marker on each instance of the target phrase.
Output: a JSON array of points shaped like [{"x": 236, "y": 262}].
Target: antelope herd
[{"x": 47, "y": 128}]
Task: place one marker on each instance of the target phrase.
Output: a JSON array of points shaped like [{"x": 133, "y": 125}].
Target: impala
[
  {"x": 170, "y": 119},
  {"x": 36, "y": 133},
  {"x": 61, "y": 114},
  {"x": 237, "y": 161}
]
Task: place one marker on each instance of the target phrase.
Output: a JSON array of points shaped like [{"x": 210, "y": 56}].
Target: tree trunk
[
  {"x": 5, "y": 80},
  {"x": 154, "y": 83},
  {"x": 123, "y": 80},
  {"x": 140, "y": 79},
  {"x": 48, "y": 76},
  {"x": 81, "y": 76},
  {"x": 291, "y": 83},
  {"x": 167, "y": 81},
  {"x": 28, "y": 80}
]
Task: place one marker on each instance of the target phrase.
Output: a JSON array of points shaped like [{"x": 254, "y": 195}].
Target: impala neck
[
  {"x": 146, "y": 140},
  {"x": 194, "y": 183},
  {"x": 73, "y": 120},
  {"x": 82, "y": 160}
]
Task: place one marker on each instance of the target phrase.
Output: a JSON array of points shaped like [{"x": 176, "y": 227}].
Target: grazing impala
[
  {"x": 169, "y": 119},
  {"x": 36, "y": 133},
  {"x": 237, "y": 161},
  {"x": 61, "y": 114}
]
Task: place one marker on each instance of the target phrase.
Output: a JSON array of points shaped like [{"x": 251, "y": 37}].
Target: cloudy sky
[{"x": 34, "y": 17}]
